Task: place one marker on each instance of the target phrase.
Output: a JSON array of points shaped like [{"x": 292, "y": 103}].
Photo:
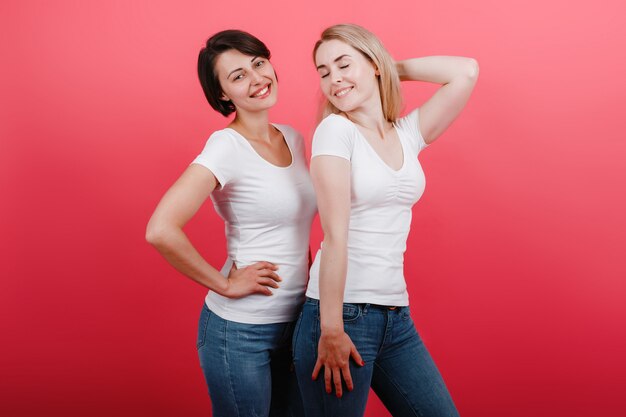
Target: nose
[
  {"x": 336, "y": 76},
  {"x": 256, "y": 77}
]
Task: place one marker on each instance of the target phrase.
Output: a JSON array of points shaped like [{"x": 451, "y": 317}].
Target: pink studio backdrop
[{"x": 515, "y": 264}]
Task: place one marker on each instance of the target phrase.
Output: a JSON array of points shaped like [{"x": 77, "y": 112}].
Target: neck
[
  {"x": 370, "y": 116},
  {"x": 374, "y": 122},
  {"x": 252, "y": 125}
]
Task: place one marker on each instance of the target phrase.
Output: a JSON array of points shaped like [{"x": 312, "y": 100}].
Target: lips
[
  {"x": 262, "y": 92},
  {"x": 342, "y": 92}
]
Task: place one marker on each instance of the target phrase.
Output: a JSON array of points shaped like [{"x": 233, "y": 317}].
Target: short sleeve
[
  {"x": 410, "y": 125},
  {"x": 218, "y": 156},
  {"x": 334, "y": 136}
]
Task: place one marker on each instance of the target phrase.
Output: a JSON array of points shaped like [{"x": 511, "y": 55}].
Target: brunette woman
[{"x": 256, "y": 174}]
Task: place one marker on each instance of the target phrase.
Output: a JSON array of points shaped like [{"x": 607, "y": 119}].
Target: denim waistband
[{"x": 364, "y": 305}]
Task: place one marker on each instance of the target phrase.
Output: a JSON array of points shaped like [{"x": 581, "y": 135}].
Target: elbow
[
  {"x": 156, "y": 235},
  {"x": 466, "y": 72},
  {"x": 472, "y": 69},
  {"x": 335, "y": 240},
  {"x": 153, "y": 236}
]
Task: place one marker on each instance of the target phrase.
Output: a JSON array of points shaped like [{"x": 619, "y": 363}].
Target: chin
[
  {"x": 266, "y": 104},
  {"x": 272, "y": 101},
  {"x": 343, "y": 108}
]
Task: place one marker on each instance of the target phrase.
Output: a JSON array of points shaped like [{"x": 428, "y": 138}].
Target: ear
[
  {"x": 377, "y": 72},
  {"x": 224, "y": 97}
]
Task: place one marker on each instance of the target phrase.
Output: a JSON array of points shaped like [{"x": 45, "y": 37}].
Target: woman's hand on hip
[
  {"x": 333, "y": 353},
  {"x": 257, "y": 278}
]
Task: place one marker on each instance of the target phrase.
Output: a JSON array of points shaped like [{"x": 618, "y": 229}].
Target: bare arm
[
  {"x": 331, "y": 179},
  {"x": 457, "y": 76},
  {"x": 165, "y": 232}
]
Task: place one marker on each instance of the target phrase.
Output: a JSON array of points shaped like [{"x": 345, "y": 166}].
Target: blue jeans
[
  {"x": 397, "y": 365},
  {"x": 248, "y": 367}
]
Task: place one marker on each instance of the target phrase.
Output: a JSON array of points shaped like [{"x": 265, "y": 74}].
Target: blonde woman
[{"x": 355, "y": 330}]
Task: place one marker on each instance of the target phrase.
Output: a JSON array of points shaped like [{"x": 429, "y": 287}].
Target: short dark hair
[{"x": 217, "y": 44}]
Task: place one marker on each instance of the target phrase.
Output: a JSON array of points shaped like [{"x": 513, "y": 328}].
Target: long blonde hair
[{"x": 372, "y": 48}]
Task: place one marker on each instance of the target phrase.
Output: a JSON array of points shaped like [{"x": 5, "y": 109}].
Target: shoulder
[
  {"x": 335, "y": 123},
  {"x": 223, "y": 139},
  {"x": 223, "y": 135},
  {"x": 409, "y": 125},
  {"x": 294, "y": 139},
  {"x": 223, "y": 145},
  {"x": 335, "y": 127},
  {"x": 409, "y": 121},
  {"x": 335, "y": 135},
  {"x": 290, "y": 134}
]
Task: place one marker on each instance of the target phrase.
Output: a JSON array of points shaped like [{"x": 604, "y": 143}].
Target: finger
[
  {"x": 267, "y": 282},
  {"x": 327, "y": 379},
  {"x": 356, "y": 355},
  {"x": 269, "y": 273},
  {"x": 316, "y": 369},
  {"x": 345, "y": 371},
  {"x": 262, "y": 289},
  {"x": 265, "y": 265},
  {"x": 337, "y": 381}
]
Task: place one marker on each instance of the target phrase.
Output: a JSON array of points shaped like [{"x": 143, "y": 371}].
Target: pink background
[{"x": 515, "y": 265}]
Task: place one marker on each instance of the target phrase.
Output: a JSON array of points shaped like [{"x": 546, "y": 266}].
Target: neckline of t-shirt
[
  {"x": 259, "y": 156},
  {"x": 364, "y": 139}
]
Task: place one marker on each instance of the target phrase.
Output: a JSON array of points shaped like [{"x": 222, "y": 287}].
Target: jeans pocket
[
  {"x": 351, "y": 312},
  {"x": 405, "y": 313},
  {"x": 205, "y": 315}
]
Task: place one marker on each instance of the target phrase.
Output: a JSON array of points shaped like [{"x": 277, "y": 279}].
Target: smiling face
[
  {"x": 248, "y": 81},
  {"x": 347, "y": 77}
]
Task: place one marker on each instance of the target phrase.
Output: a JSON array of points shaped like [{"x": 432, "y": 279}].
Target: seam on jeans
[
  {"x": 416, "y": 412},
  {"x": 202, "y": 340},
  {"x": 294, "y": 338},
  {"x": 316, "y": 328},
  {"x": 228, "y": 372},
  {"x": 388, "y": 332}
]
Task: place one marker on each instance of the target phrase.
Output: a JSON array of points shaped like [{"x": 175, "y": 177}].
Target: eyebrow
[
  {"x": 339, "y": 58},
  {"x": 239, "y": 69}
]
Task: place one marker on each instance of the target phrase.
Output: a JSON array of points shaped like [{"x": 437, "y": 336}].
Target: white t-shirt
[
  {"x": 380, "y": 212},
  {"x": 267, "y": 211}
]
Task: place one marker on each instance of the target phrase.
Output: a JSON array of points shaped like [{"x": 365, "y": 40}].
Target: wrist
[
  {"x": 222, "y": 286},
  {"x": 331, "y": 313},
  {"x": 332, "y": 328}
]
